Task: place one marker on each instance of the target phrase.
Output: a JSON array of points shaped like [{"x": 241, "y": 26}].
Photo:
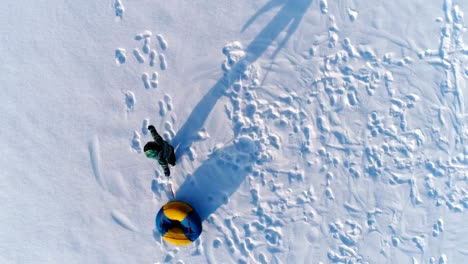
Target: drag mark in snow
[
  {"x": 123, "y": 221},
  {"x": 114, "y": 184},
  {"x": 95, "y": 156}
]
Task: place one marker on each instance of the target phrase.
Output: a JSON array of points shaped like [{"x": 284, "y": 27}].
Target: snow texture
[{"x": 305, "y": 131}]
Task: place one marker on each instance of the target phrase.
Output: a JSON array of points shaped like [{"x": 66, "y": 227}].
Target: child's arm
[{"x": 154, "y": 133}]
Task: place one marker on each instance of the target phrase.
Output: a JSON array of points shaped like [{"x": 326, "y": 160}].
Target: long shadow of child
[{"x": 211, "y": 185}]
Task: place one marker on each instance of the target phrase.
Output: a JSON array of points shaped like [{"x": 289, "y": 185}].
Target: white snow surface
[{"x": 307, "y": 131}]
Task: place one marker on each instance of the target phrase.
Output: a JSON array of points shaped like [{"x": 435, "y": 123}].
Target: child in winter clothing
[{"x": 160, "y": 150}]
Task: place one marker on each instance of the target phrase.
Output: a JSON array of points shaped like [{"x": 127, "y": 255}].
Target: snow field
[{"x": 306, "y": 132}]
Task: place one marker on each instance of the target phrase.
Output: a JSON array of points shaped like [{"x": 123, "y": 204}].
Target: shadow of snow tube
[{"x": 178, "y": 223}]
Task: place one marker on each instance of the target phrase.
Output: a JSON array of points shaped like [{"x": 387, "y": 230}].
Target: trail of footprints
[
  {"x": 147, "y": 53},
  {"x": 168, "y": 118}
]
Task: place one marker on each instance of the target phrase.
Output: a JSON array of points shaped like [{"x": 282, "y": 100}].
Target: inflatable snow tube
[{"x": 178, "y": 223}]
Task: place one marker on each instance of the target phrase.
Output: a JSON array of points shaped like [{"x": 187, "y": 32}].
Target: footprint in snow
[
  {"x": 154, "y": 80},
  {"x": 119, "y": 8},
  {"x": 136, "y": 142},
  {"x": 146, "y": 45},
  {"x": 129, "y": 100},
  {"x": 120, "y": 56},
  {"x": 138, "y": 56},
  {"x": 168, "y": 100},
  {"x": 144, "y": 126},
  {"x": 162, "y": 42},
  {"x": 145, "y": 34},
  {"x": 152, "y": 57},
  {"x": 162, "y": 62},
  {"x": 145, "y": 79}
]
